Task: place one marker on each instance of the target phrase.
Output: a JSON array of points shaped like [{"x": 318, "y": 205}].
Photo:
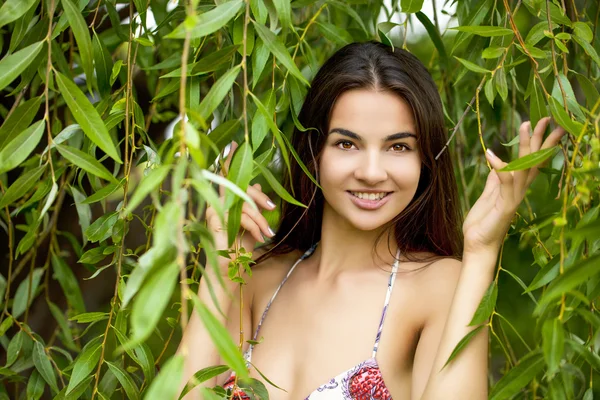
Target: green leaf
[
  {"x": 463, "y": 343},
  {"x": 148, "y": 183},
  {"x": 475, "y": 18},
  {"x": 490, "y": 92},
  {"x": 221, "y": 339},
  {"x": 131, "y": 390},
  {"x": 217, "y": 92},
  {"x": 82, "y": 37},
  {"x": 411, "y": 6},
  {"x": 88, "y": 317},
  {"x": 13, "y": 65},
  {"x": 537, "y": 104},
  {"x": 43, "y": 365},
  {"x": 278, "y": 49},
  {"x": 589, "y": 49},
  {"x": 588, "y": 354},
  {"x": 486, "y": 306},
  {"x": 101, "y": 229},
  {"x": 240, "y": 171},
  {"x": 284, "y": 12},
  {"x": 536, "y": 33},
  {"x": 208, "y": 22},
  {"x": 14, "y": 9},
  {"x": 63, "y": 324},
  {"x": 35, "y": 386},
  {"x": 166, "y": 384},
  {"x": 553, "y": 343},
  {"x": 68, "y": 283},
  {"x": 25, "y": 291},
  {"x": 493, "y": 52},
  {"x": 259, "y": 60},
  {"x": 583, "y": 30},
  {"x": 145, "y": 359},
  {"x": 501, "y": 85},
  {"x": 21, "y": 186},
  {"x": 207, "y": 192},
  {"x": 14, "y": 348},
  {"x": 218, "y": 179},
  {"x": 104, "y": 192},
  {"x": 18, "y": 149},
  {"x": 335, "y": 33},
  {"x": 85, "y": 161},
  {"x": 563, "y": 119},
  {"x": 486, "y": 31},
  {"x": 87, "y": 116},
  {"x": 202, "y": 376},
  {"x": 85, "y": 363},
  {"x": 20, "y": 119},
  {"x": 104, "y": 64},
  {"x": 572, "y": 277},
  {"x": 212, "y": 62},
  {"x": 472, "y": 66},
  {"x": 518, "y": 377},
  {"x": 49, "y": 200},
  {"x": 530, "y": 160},
  {"x": 277, "y": 187},
  {"x": 148, "y": 306}
]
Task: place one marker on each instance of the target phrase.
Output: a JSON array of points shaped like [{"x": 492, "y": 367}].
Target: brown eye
[
  {"x": 400, "y": 148},
  {"x": 345, "y": 145}
]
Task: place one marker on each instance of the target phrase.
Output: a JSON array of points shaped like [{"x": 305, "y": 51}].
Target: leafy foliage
[{"x": 89, "y": 87}]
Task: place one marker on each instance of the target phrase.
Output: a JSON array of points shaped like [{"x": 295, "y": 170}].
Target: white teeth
[{"x": 369, "y": 196}]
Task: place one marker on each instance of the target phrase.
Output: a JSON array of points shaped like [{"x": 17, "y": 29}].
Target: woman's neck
[{"x": 344, "y": 248}]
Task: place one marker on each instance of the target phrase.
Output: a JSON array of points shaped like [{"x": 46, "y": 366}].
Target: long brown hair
[{"x": 431, "y": 221}]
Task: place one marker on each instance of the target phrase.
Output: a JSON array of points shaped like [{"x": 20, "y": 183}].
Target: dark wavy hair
[{"x": 431, "y": 223}]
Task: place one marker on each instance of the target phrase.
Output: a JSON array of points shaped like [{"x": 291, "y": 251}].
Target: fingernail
[
  {"x": 270, "y": 204},
  {"x": 490, "y": 153},
  {"x": 271, "y": 232}
]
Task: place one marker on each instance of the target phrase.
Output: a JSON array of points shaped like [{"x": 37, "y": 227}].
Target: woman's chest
[{"x": 310, "y": 337}]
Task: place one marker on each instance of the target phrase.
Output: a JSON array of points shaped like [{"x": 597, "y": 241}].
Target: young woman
[{"x": 364, "y": 294}]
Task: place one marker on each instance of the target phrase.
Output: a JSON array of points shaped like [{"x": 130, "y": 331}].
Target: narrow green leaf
[
  {"x": 21, "y": 186},
  {"x": 335, "y": 33},
  {"x": 435, "y": 37},
  {"x": 493, "y": 52},
  {"x": 86, "y": 116},
  {"x": 218, "y": 179},
  {"x": 101, "y": 229},
  {"x": 463, "y": 343},
  {"x": 583, "y": 30},
  {"x": 588, "y": 355},
  {"x": 411, "y": 6},
  {"x": 240, "y": 171},
  {"x": 202, "y": 376},
  {"x": 85, "y": 363},
  {"x": 277, "y": 187},
  {"x": 82, "y": 38},
  {"x": 278, "y": 49},
  {"x": 63, "y": 324},
  {"x": 14, "y": 9},
  {"x": 49, "y": 200},
  {"x": 536, "y": 33},
  {"x": 20, "y": 119},
  {"x": 284, "y": 12},
  {"x": 221, "y": 339},
  {"x": 486, "y": 306},
  {"x": 490, "y": 92},
  {"x": 131, "y": 390},
  {"x": 25, "y": 291},
  {"x": 208, "y": 22},
  {"x": 104, "y": 64},
  {"x": 18, "y": 149},
  {"x": 6, "y": 324},
  {"x": 518, "y": 377},
  {"x": 259, "y": 60},
  {"x": 212, "y": 62},
  {"x": 65, "y": 277},
  {"x": 589, "y": 49},
  {"x": 43, "y": 365},
  {"x": 207, "y": 192},
  {"x": 572, "y": 277},
  {"x": 486, "y": 31},
  {"x": 148, "y": 306},
  {"x": 148, "y": 183},
  {"x": 553, "y": 343},
  {"x": 166, "y": 384},
  {"x": 350, "y": 11},
  {"x": 145, "y": 359},
  {"x": 13, "y": 65},
  {"x": 530, "y": 160},
  {"x": 88, "y": 317},
  {"x": 472, "y": 66},
  {"x": 537, "y": 104},
  {"x": 86, "y": 162},
  {"x": 563, "y": 119},
  {"x": 35, "y": 386},
  {"x": 14, "y": 348},
  {"x": 217, "y": 92},
  {"x": 501, "y": 85},
  {"x": 104, "y": 192}
]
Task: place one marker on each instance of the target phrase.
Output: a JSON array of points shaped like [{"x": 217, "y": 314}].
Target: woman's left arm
[{"x": 484, "y": 230}]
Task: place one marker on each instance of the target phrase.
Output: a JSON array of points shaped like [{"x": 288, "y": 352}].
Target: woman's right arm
[{"x": 196, "y": 344}]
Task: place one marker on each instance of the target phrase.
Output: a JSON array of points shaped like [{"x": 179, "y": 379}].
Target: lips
[{"x": 367, "y": 204}]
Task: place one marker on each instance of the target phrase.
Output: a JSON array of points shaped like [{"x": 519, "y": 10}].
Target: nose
[{"x": 371, "y": 168}]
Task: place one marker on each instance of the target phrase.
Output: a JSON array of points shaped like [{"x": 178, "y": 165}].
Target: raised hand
[
  {"x": 489, "y": 219},
  {"x": 253, "y": 224}
]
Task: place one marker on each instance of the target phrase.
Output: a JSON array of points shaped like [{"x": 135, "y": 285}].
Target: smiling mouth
[{"x": 369, "y": 196}]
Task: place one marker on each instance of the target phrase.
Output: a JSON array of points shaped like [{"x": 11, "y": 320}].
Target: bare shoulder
[{"x": 273, "y": 269}]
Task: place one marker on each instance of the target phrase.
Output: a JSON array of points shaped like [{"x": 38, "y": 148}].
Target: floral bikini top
[{"x": 361, "y": 382}]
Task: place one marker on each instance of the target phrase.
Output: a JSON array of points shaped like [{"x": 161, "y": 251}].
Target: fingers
[
  {"x": 554, "y": 137},
  {"x": 506, "y": 178},
  {"x": 538, "y": 133},
  {"x": 261, "y": 199},
  {"x": 524, "y": 141}
]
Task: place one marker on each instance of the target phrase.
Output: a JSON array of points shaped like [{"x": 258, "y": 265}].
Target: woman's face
[{"x": 370, "y": 164}]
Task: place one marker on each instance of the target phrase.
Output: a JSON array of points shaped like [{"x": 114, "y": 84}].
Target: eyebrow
[{"x": 395, "y": 136}]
